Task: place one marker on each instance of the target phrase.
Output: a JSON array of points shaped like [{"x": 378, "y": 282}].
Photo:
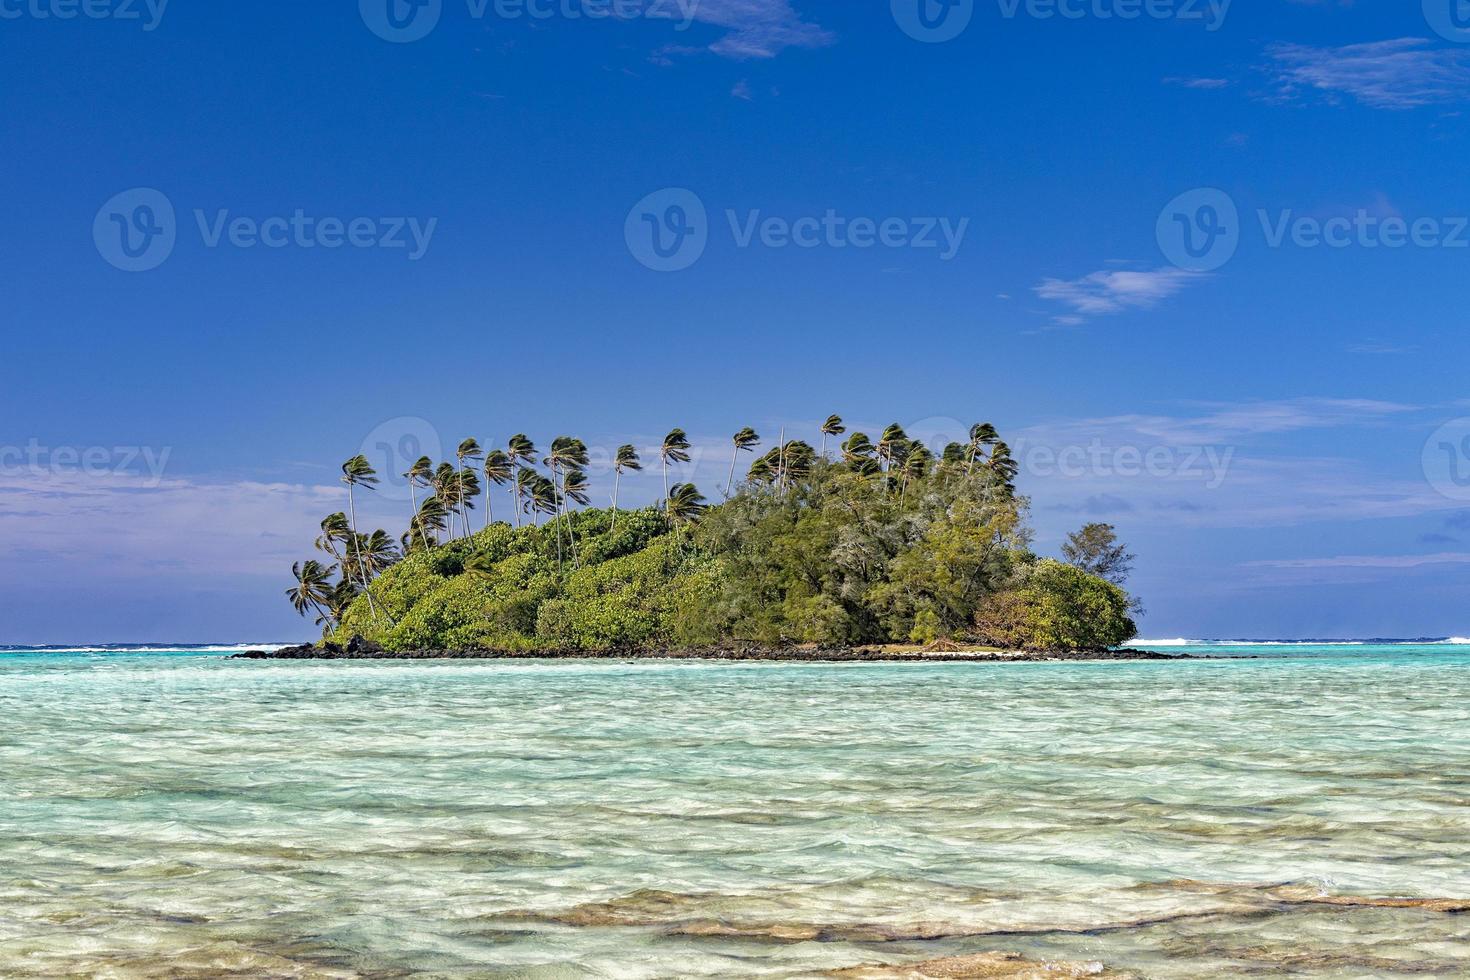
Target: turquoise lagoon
[{"x": 176, "y": 813}]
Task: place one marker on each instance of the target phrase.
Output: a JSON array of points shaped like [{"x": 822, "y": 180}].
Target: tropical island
[{"x": 884, "y": 542}]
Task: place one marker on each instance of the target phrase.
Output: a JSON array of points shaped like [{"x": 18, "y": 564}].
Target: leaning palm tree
[
  {"x": 685, "y": 504},
  {"x": 313, "y": 589},
  {"x": 429, "y": 522},
  {"x": 469, "y": 451},
  {"x": 336, "y": 532},
  {"x": 891, "y": 445},
  {"x": 1004, "y": 466},
  {"x": 420, "y": 474},
  {"x": 446, "y": 491},
  {"x": 499, "y": 470},
  {"x": 675, "y": 448},
  {"x": 376, "y": 552},
  {"x": 566, "y": 452},
  {"x": 982, "y": 435},
  {"x": 857, "y": 448},
  {"x": 339, "y": 597},
  {"x": 522, "y": 453},
  {"x": 358, "y": 472},
  {"x": 467, "y": 489},
  {"x": 745, "y": 441},
  {"x": 573, "y": 488},
  {"x": 525, "y": 486},
  {"x": 832, "y": 427},
  {"x": 624, "y": 461}
]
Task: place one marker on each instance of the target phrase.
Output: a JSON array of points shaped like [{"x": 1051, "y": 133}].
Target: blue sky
[{"x": 1272, "y": 425}]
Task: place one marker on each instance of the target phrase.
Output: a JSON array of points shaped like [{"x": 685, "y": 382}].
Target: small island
[{"x": 885, "y": 550}]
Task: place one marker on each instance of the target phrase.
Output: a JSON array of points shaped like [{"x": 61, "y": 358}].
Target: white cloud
[
  {"x": 756, "y": 28},
  {"x": 1112, "y": 291},
  {"x": 1400, "y": 74}
]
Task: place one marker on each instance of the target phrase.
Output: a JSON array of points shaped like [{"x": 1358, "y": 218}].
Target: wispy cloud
[
  {"x": 1110, "y": 291},
  {"x": 1399, "y": 74},
  {"x": 741, "y": 90},
  {"x": 1198, "y": 83},
  {"x": 1367, "y": 561},
  {"x": 756, "y": 28}
]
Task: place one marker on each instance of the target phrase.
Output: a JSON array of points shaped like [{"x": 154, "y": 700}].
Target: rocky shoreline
[{"x": 359, "y": 649}]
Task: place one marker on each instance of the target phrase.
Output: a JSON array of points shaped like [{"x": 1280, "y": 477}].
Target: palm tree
[
  {"x": 339, "y": 597},
  {"x": 626, "y": 460},
  {"x": 676, "y": 448},
  {"x": 1003, "y": 465},
  {"x": 891, "y": 445},
  {"x": 916, "y": 463},
  {"x": 420, "y": 474},
  {"x": 446, "y": 491},
  {"x": 566, "y": 452},
  {"x": 430, "y": 518},
  {"x": 685, "y": 504},
  {"x": 982, "y": 434},
  {"x": 857, "y": 450},
  {"x": 522, "y": 453},
  {"x": 745, "y": 440},
  {"x": 376, "y": 552},
  {"x": 467, "y": 489},
  {"x": 832, "y": 427},
  {"x": 470, "y": 451},
  {"x": 798, "y": 459},
  {"x": 573, "y": 488},
  {"x": 541, "y": 495},
  {"x": 525, "y": 488},
  {"x": 499, "y": 470},
  {"x": 335, "y": 530},
  {"x": 312, "y": 590},
  {"x": 358, "y": 472}
]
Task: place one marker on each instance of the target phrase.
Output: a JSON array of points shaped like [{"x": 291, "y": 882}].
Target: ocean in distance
[{"x": 167, "y": 811}]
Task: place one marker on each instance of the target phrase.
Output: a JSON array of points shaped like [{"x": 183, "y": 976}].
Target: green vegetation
[{"x": 885, "y": 543}]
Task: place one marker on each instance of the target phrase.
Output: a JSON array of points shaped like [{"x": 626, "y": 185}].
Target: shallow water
[{"x": 168, "y": 814}]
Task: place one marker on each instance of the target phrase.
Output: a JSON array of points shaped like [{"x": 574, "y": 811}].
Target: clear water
[{"x": 180, "y": 814}]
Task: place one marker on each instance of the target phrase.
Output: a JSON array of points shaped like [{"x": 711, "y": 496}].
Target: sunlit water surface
[{"x": 177, "y": 814}]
